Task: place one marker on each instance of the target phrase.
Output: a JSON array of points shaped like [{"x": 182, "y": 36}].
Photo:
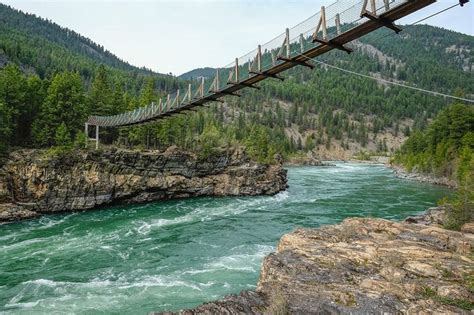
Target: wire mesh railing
[{"x": 331, "y": 21}]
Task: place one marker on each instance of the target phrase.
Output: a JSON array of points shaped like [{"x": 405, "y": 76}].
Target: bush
[
  {"x": 62, "y": 137},
  {"x": 209, "y": 141},
  {"x": 80, "y": 140}
]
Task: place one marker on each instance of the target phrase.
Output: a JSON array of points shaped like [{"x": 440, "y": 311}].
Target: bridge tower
[{"x": 88, "y": 139}]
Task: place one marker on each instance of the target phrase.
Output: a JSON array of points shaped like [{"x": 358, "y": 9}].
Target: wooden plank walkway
[{"x": 392, "y": 11}]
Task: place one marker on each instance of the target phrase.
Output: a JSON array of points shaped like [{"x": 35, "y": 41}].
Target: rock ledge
[
  {"x": 363, "y": 266},
  {"x": 32, "y": 184}
]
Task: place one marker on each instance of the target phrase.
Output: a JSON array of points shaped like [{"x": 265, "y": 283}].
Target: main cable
[
  {"x": 392, "y": 82},
  {"x": 389, "y": 82}
]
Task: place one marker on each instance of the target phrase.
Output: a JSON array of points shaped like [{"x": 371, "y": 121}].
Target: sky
[{"x": 177, "y": 36}]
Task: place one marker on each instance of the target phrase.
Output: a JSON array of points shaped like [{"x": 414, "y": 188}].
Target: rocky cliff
[
  {"x": 363, "y": 266},
  {"x": 32, "y": 184}
]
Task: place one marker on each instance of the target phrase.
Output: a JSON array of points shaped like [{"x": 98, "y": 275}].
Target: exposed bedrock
[
  {"x": 32, "y": 184},
  {"x": 363, "y": 266}
]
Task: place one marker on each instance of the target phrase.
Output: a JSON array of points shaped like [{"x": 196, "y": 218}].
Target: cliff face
[
  {"x": 363, "y": 266},
  {"x": 31, "y": 184}
]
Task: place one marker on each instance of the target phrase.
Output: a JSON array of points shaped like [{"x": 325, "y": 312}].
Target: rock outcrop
[
  {"x": 400, "y": 172},
  {"x": 363, "y": 266},
  {"x": 32, "y": 184}
]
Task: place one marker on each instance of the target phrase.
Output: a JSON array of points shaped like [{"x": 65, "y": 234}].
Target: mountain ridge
[
  {"x": 24, "y": 22},
  {"x": 334, "y": 114}
]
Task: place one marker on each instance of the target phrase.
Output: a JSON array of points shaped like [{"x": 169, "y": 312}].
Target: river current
[{"x": 178, "y": 254}]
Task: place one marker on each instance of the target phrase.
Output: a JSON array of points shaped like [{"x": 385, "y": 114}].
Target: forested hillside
[
  {"x": 338, "y": 114},
  {"x": 446, "y": 148},
  {"x": 44, "y": 48},
  {"x": 52, "y": 78}
]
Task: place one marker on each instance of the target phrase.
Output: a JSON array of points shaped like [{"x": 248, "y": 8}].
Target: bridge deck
[{"x": 372, "y": 22}]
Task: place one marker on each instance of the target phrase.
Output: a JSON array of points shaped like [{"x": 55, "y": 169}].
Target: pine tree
[{"x": 64, "y": 103}]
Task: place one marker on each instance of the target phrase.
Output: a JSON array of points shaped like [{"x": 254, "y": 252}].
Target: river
[{"x": 178, "y": 254}]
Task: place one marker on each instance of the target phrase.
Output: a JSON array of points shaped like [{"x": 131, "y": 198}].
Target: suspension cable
[
  {"x": 393, "y": 82},
  {"x": 389, "y": 82}
]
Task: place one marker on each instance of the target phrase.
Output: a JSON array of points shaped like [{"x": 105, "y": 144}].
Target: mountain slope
[
  {"x": 339, "y": 114},
  {"x": 196, "y": 73},
  {"x": 41, "y": 46},
  {"x": 332, "y": 113}
]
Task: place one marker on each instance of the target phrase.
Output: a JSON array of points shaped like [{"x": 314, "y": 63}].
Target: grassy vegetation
[{"x": 429, "y": 293}]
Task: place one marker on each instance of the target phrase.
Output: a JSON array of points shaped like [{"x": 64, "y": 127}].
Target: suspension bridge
[{"x": 333, "y": 27}]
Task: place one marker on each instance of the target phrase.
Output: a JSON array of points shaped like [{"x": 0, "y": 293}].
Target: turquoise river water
[{"x": 178, "y": 254}]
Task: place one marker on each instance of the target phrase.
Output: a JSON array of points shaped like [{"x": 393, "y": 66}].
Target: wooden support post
[
  {"x": 373, "y": 7},
  {"x": 338, "y": 24},
  {"x": 323, "y": 22},
  {"x": 236, "y": 70},
  {"x": 302, "y": 43},
  {"x": 216, "y": 82},
  {"x": 97, "y": 137},
  {"x": 364, "y": 8},
  {"x": 168, "y": 105},
  {"x": 202, "y": 87},
  {"x": 190, "y": 91},
  {"x": 160, "y": 106},
  {"x": 259, "y": 58},
  {"x": 316, "y": 31},
  {"x": 288, "y": 52},
  {"x": 86, "y": 131}
]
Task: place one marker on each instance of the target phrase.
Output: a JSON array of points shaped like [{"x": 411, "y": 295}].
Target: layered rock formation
[
  {"x": 363, "y": 266},
  {"x": 400, "y": 172},
  {"x": 32, "y": 184}
]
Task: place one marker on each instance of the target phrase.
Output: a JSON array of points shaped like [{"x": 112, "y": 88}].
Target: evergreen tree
[{"x": 64, "y": 104}]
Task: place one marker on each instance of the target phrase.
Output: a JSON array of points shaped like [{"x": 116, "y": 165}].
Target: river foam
[{"x": 177, "y": 254}]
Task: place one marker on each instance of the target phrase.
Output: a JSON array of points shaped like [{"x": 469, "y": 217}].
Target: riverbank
[
  {"x": 362, "y": 266},
  {"x": 177, "y": 254},
  {"x": 33, "y": 183},
  {"x": 402, "y": 173}
]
